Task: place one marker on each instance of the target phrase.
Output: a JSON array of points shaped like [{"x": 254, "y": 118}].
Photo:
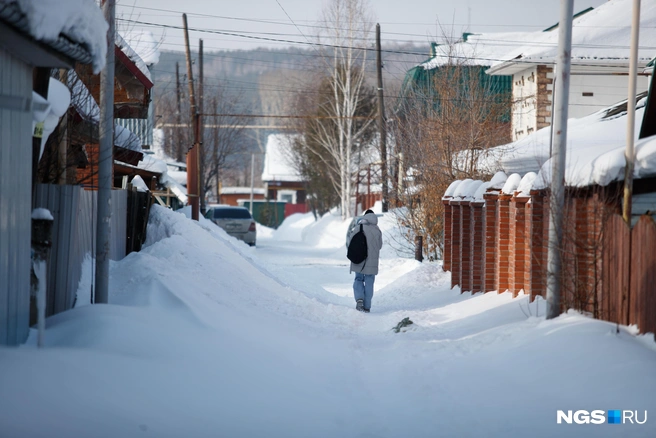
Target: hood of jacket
[{"x": 370, "y": 218}]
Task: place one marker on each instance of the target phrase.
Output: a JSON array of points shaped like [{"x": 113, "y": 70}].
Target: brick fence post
[
  {"x": 446, "y": 254},
  {"x": 456, "y": 238},
  {"x": 539, "y": 239},
  {"x": 517, "y": 257},
  {"x": 478, "y": 246},
  {"x": 465, "y": 246},
  {"x": 503, "y": 243},
  {"x": 489, "y": 241}
]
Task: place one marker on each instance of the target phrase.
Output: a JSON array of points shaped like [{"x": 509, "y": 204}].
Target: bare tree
[
  {"x": 315, "y": 153},
  {"x": 444, "y": 127},
  {"x": 346, "y": 26},
  {"x": 224, "y": 137}
]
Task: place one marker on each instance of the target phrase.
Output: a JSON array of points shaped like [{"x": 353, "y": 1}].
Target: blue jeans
[{"x": 363, "y": 288}]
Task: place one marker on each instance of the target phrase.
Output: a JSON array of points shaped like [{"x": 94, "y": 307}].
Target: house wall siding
[
  {"x": 524, "y": 111},
  {"x": 606, "y": 90},
  {"x": 15, "y": 220},
  {"x": 533, "y": 90}
]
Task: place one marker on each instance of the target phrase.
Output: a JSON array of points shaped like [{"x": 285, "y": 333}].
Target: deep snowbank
[{"x": 207, "y": 337}]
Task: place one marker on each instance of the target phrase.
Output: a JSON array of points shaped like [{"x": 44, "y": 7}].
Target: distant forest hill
[{"x": 265, "y": 74}]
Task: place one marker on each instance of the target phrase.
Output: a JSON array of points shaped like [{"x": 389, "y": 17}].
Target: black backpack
[{"x": 357, "y": 249}]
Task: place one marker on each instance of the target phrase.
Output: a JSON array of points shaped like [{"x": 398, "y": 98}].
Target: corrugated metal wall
[
  {"x": 142, "y": 128},
  {"x": 15, "y": 198},
  {"x": 74, "y": 231}
]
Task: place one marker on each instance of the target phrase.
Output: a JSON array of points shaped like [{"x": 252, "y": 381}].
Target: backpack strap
[{"x": 365, "y": 260}]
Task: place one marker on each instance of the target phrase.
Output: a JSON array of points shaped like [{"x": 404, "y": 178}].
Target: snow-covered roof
[
  {"x": 49, "y": 111},
  {"x": 153, "y": 164},
  {"x": 478, "y": 49},
  {"x": 179, "y": 176},
  {"x": 133, "y": 56},
  {"x": 144, "y": 44},
  {"x": 601, "y": 36},
  {"x": 595, "y": 151},
  {"x": 277, "y": 166},
  {"x": 178, "y": 190},
  {"x": 241, "y": 191},
  {"x": 56, "y": 21}
]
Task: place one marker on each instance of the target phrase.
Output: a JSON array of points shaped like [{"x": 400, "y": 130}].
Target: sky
[{"x": 419, "y": 21}]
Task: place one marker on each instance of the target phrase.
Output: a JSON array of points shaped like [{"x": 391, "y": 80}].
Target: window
[{"x": 288, "y": 196}]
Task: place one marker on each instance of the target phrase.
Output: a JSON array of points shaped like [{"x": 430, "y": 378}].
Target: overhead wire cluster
[{"x": 284, "y": 38}]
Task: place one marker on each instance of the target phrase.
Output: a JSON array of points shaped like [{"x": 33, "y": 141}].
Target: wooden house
[
  {"x": 599, "y": 69},
  {"x": 25, "y": 64}
]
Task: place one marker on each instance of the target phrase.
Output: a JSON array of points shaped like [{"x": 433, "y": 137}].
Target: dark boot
[{"x": 359, "y": 306}]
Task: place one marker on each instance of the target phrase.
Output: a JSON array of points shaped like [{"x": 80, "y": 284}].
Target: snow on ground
[{"x": 205, "y": 336}]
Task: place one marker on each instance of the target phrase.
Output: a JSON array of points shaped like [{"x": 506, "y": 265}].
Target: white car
[{"x": 236, "y": 221}]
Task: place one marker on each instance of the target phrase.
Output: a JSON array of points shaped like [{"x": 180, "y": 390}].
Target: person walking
[{"x": 365, "y": 272}]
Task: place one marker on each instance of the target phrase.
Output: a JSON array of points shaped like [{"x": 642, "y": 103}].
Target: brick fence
[{"x": 499, "y": 244}]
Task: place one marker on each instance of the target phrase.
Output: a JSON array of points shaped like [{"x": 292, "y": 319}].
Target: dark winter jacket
[{"x": 374, "y": 243}]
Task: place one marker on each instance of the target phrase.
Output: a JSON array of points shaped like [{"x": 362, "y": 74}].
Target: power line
[
  {"x": 282, "y": 23},
  {"x": 335, "y": 46}
]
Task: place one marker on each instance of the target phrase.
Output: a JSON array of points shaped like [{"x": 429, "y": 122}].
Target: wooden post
[
  {"x": 63, "y": 140},
  {"x": 192, "y": 154},
  {"x": 40, "y": 85},
  {"x": 200, "y": 157},
  {"x": 41, "y": 243},
  {"x": 419, "y": 247},
  {"x": 382, "y": 130},
  {"x": 178, "y": 116}
]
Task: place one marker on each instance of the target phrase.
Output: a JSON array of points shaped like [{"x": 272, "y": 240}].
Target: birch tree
[{"x": 346, "y": 27}]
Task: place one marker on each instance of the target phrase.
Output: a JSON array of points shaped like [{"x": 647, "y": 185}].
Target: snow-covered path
[{"x": 207, "y": 337}]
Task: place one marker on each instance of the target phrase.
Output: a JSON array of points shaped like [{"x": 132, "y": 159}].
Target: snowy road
[{"x": 207, "y": 337}]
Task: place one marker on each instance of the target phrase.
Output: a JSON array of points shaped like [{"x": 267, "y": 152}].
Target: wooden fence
[
  {"x": 138, "y": 210},
  {"x": 74, "y": 230},
  {"x": 629, "y": 284},
  {"x": 609, "y": 268}
]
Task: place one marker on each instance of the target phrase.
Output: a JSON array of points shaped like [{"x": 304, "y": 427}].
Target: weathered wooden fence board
[{"x": 642, "y": 299}]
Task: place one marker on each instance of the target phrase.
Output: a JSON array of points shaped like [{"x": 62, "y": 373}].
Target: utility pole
[
  {"x": 629, "y": 153},
  {"x": 381, "y": 121},
  {"x": 63, "y": 140},
  {"x": 178, "y": 115},
  {"x": 200, "y": 156},
  {"x": 105, "y": 161},
  {"x": 192, "y": 154},
  {"x": 252, "y": 181},
  {"x": 557, "y": 202}
]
